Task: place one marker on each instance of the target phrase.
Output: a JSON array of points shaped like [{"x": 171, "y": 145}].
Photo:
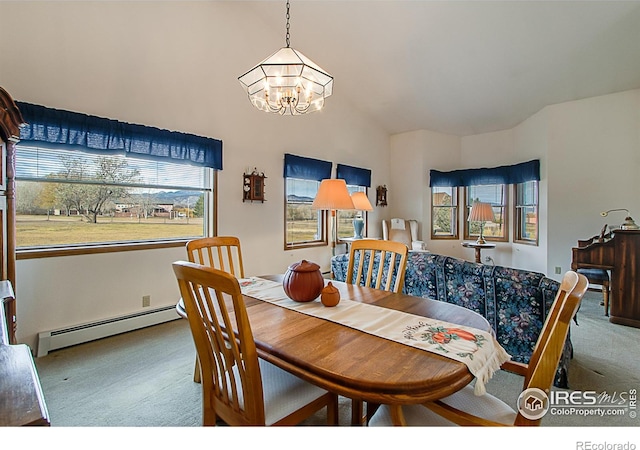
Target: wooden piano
[{"x": 620, "y": 254}]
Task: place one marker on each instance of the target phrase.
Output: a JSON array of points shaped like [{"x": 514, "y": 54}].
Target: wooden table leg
[{"x": 397, "y": 418}]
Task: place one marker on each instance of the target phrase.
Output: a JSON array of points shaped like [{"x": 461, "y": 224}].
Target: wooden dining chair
[
  {"x": 377, "y": 264},
  {"x": 221, "y": 252},
  {"x": 369, "y": 259},
  {"x": 238, "y": 387},
  {"x": 467, "y": 409}
]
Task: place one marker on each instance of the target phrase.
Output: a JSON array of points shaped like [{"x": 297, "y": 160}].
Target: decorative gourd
[
  {"x": 330, "y": 295},
  {"x": 303, "y": 281}
]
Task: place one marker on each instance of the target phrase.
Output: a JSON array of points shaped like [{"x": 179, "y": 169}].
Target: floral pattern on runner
[{"x": 445, "y": 340}]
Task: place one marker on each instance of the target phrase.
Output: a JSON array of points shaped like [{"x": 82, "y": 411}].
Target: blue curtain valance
[
  {"x": 306, "y": 168},
  {"x": 59, "y": 127},
  {"x": 354, "y": 175},
  {"x": 517, "y": 173}
]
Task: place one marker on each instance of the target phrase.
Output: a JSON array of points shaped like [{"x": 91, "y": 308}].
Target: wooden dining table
[{"x": 356, "y": 364}]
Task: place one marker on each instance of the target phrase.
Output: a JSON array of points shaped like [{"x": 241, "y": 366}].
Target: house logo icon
[{"x": 533, "y": 403}]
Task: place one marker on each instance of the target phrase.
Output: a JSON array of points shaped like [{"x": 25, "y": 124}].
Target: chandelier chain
[{"x": 288, "y": 16}]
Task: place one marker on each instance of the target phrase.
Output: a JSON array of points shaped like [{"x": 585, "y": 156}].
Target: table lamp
[
  {"x": 360, "y": 203},
  {"x": 628, "y": 223},
  {"x": 333, "y": 195},
  {"x": 481, "y": 212}
]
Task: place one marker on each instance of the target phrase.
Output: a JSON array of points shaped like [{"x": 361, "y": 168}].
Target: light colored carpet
[{"x": 145, "y": 378}]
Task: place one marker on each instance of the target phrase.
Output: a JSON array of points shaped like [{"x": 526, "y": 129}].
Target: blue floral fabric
[{"x": 515, "y": 302}]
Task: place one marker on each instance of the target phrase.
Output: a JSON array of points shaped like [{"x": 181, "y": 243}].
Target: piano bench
[{"x": 599, "y": 277}]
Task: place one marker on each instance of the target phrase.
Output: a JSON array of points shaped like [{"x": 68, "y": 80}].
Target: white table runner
[{"x": 476, "y": 348}]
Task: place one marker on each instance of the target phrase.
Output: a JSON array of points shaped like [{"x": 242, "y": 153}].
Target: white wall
[
  {"x": 413, "y": 154},
  {"x": 593, "y": 165},
  {"x": 589, "y": 153},
  {"x": 169, "y": 65}
]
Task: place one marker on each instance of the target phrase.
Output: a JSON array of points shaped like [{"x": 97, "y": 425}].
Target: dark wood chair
[{"x": 598, "y": 277}]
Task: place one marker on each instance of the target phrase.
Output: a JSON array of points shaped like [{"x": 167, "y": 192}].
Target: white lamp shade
[
  {"x": 333, "y": 195},
  {"x": 481, "y": 212},
  {"x": 361, "y": 202}
]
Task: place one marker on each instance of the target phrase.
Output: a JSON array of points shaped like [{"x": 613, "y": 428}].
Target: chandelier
[{"x": 287, "y": 82}]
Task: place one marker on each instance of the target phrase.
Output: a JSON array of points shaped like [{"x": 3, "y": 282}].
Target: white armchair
[{"x": 401, "y": 230}]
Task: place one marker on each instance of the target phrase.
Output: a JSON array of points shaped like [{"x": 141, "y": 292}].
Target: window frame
[
  {"x": 505, "y": 213},
  {"x": 455, "y": 202},
  {"x": 518, "y": 210},
  {"x": 209, "y": 226},
  {"x": 322, "y": 218}
]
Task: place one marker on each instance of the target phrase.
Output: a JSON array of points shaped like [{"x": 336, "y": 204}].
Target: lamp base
[
  {"x": 628, "y": 224},
  {"x": 358, "y": 226}
]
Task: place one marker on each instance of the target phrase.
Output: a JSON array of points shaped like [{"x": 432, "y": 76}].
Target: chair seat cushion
[
  {"x": 284, "y": 393},
  {"x": 594, "y": 275},
  {"x": 485, "y": 406}
]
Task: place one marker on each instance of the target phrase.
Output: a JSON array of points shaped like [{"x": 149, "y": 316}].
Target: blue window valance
[
  {"x": 354, "y": 175},
  {"x": 517, "y": 173},
  {"x": 306, "y": 168},
  {"x": 59, "y": 127}
]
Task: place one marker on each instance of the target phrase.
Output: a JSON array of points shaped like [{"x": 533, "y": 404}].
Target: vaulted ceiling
[{"x": 461, "y": 67}]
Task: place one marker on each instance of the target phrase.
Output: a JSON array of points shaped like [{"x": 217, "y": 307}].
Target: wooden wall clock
[{"x": 253, "y": 186}]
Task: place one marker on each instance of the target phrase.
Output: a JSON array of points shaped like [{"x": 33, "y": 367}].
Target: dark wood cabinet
[
  {"x": 21, "y": 397},
  {"x": 10, "y": 121}
]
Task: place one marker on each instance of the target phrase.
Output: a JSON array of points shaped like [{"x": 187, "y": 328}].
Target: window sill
[{"x": 54, "y": 252}]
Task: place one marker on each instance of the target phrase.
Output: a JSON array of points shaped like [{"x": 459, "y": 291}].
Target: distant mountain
[
  {"x": 298, "y": 198},
  {"x": 176, "y": 198}
]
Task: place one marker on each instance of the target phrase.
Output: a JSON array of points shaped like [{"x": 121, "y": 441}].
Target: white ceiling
[{"x": 462, "y": 67}]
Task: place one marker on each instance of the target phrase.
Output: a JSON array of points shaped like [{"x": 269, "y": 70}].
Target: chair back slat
[
  {"x": 219, "y": 324},
  {"x": 221, "y": 252},
  {"x": 390, "y": 256}
]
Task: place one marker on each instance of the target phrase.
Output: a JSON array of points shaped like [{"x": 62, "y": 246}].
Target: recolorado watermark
[
  {"x": 589, "y": 445},
  {"x": 534, "y": 404}
]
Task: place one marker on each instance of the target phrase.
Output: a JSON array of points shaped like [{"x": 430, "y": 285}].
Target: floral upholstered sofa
[{"x": 515, "y": 302}]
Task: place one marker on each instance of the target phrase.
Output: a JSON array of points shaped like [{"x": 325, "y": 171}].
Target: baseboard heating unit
[{"x": 66, "y": 337}]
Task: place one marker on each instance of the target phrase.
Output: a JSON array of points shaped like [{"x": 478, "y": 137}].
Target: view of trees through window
[
  {"x": 444, "y": 212},
  {"x": 66, "y": 198},
  {"x": 526, "y": 211}
]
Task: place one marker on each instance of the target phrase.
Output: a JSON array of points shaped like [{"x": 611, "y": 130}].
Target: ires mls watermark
[{"x": 534, "y": 403}]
